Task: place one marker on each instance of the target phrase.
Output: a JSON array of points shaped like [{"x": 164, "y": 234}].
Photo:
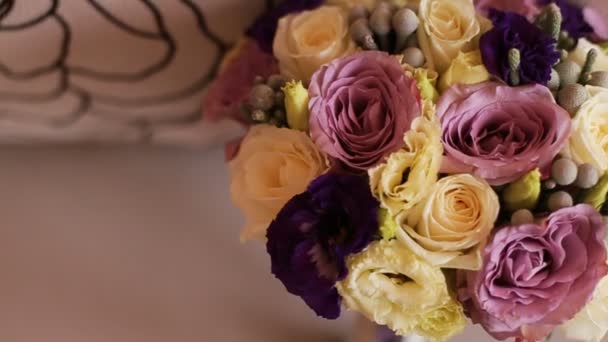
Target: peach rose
[
  {"x": 309, "y": 39},
  {"x": 272, "y": 166}
]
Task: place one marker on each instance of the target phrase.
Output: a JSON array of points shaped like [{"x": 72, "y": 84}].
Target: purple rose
[
  {"x": 498, "y": 132},
  {"x": 537, "y": 276},
  {"x": 527, "y": 8},
  {"x": 360, "y": 107},
  {"x": 513, "y": 31},
  {"x": 265, "y": 27},
  {"x": 313, "y": 234}
]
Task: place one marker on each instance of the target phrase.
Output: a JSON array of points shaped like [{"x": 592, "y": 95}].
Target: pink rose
[
  {"x": 537, "y": 276},
  {"x": 527, "y": 8},
  {"x": 597, "y": 16},
  {"x": 360, "y": 107},
  {"x": 500, "y": 133}
]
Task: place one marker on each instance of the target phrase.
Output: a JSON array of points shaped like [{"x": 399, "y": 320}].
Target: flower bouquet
[{"x": 425, "y": 162}]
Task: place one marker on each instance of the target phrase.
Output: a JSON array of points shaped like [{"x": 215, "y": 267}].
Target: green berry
[
  {"x": 559, "y": 200},
  {"x": 569, "y": 72},
  {"x": 362, "y": 34},
  {"x": 279, "y": 99},
  {"x": 587, "y": 176},
  {"x": 380, "y": 20},
  {"x": 405, "y": 23},
  {"x": 554, "y": 81},
  {"x": 522, "y": 216},
  {"x": 564, "y": 171},
  {"x": 261, "y": 97},
  {"x": 380, "y": 23},
  {"x": 414, "y": 57},
  {"x": 356, "y": 12},
  {"x": 259, "y": 116},
  {"x": 572, "y": 97}
]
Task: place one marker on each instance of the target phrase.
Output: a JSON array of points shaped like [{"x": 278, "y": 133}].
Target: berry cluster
[
  {"x": 387, "y": 28},
  {"x": 566, "y": 185},
  {"x": 266, "y": 101},
  {"x": 568, "y": 80}
]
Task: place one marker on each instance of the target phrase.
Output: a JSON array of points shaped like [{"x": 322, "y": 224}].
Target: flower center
[
  {"x": 445, "y": 23},
  {"x": 397, "y": 278},
  {"x": 599, "y": 130}
]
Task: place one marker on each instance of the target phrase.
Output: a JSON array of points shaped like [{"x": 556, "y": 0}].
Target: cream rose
[
  {"x": 389, "y": 285},
  {"x": 466, "y": 68},
  {"x": 591, "y": 323},
  {"x": 419, "y": 161},
  {"x": 450, "y": 228},
  {"x": 589, "y": 139},
  {"x": 309, "y": 39},
  {"x": 579, "y": 55},
  {"x": 273, "y": 165},
  {"x": 447, "y": 27}
]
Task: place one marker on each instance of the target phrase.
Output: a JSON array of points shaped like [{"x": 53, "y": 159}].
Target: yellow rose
[
  {"x": 419, "y": 160},
  {"x": 450, "y": 228},
  {"x": 389, "y": 285},
  {"x": 272, "y": 166},
  {"x": 447, "y": 27},
  {"x": 309, "y": 39},
  {"x": 466, "y": 68},
  {"x": 589, "y": 139},
  {"x": 579, "y": 55},
  {"x": 591, "y": 323}
]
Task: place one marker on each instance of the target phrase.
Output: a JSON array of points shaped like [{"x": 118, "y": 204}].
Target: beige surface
[{"x": 136, "y": 245}]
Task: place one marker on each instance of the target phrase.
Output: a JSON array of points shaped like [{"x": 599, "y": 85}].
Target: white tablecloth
[{"x": 137, "y": 245}]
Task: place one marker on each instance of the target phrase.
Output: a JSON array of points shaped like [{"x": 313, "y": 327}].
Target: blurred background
[{"x": 138, "y": 244}]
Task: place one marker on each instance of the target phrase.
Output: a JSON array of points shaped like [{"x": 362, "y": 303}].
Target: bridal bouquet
[{"x": 424, "y": 162}]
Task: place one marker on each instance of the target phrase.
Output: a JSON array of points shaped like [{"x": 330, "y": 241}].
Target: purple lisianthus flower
[
  {"x": 513, "y": 31},
  {"x": 498, "y": 132},
  {"x": 265, "y": 27},
  {"x": 527, "y": 8},
  {"x": 312, "y": 235},
  {"x": 537, "y": 276},
  {"x": 573, "y": 18}
]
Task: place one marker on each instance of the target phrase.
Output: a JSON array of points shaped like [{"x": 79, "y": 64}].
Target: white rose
[
  {"x": 450, "y": 228},
  {"x": 589, "y": 139},
  {"x": 591, "y": 323},
  {"x": 307, "y": 40}
]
